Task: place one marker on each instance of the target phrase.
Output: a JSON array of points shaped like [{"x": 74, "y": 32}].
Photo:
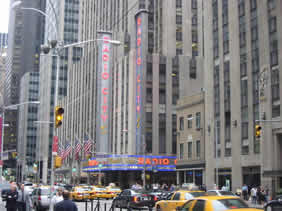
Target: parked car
[
  {"x": 220, "y": 193},
  {"x": 41, "y": 197},
  {"x": 137, "y": 199}
]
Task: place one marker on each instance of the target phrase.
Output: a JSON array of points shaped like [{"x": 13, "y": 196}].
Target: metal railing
[{"x": 98, "y": 205}]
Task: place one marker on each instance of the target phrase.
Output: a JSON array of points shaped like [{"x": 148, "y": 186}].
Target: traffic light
[
  {"x": 14, "y": 155},
  {"x": 59, "y": 116},
  {"x": 258, "y": 131},
  {"x": 58, "y": 162}
]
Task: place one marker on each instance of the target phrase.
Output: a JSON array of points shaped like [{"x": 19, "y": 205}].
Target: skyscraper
[
  {"x": 27, "y": 144},
  {"x": 242, "y": 69},
  {"x": 168, "y": 60},
  {"x": 61, "y": 25}
]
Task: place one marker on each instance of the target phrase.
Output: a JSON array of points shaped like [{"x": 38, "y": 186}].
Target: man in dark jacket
[
  {"x": 12, "y": 197},
  {"x": 66, "y": 204}
]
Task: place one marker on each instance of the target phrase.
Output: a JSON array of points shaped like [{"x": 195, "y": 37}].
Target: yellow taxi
[
  {"x": 215, "y": 203},
  {"x": 81, "y": 193},
  {"x": 97, "y": 192},
  {"x": 110, "y": 192},
  {"x": 178, "y": 199}
]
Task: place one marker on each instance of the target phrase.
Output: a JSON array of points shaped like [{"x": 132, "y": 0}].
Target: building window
[
  {"x": 181, "y": 123},
  {"x": 194, "y": 4},
  {"x": 245, "y": 129},
  {"x": 275, "y": 89},
  {"x": 178, "y": 19},
  {"x": 198, "y": 120},
  {"x": 198, "y": 148},
  {"x": 189, "y": 149},
  {"x": 272, "y": 24},
  {"x": 181, "y": 151},
  {"x": 189, "y": 120},
  {"x": 178, "y": 3}
]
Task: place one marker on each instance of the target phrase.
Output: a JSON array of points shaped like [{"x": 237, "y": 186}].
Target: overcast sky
[{"x": 4, "y": 15}]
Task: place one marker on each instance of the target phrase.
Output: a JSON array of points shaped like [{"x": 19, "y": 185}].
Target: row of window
[
  {"x": 190, "y": 150},
  {"x": 190, "y": 121}
]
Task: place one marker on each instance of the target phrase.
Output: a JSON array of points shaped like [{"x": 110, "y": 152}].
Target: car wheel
[{"x": 159, "y": 208}]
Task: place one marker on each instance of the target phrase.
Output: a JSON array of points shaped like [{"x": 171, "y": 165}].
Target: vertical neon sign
[
  {"x": 103, "y": 91},
  {"x": 139, "y": 81}
]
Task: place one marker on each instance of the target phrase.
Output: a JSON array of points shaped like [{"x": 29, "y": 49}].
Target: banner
[
  {"x": 55, "y": 144},
  {"x": 104, "y": 91}
]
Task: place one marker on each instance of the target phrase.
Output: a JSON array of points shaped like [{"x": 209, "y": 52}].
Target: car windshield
[
  {"x": 83, "y": 189},
  {"x": 45, "y": 191},
  {"x": 100, "y": 189},
  {"x": 226, "y": 193},
  {"x": 226, "y": 204},
  {"x": 197, "y": 194},
  {"x": 115, "y": 189}
]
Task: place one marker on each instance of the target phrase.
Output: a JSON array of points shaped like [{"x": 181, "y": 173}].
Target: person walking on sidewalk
[
  {"x": 21, "y": 198},
  {"x": 56, "y": 199},
  {"x": 254, "y": 195},
  {"x": 245, "y": 192},
  {"x": 66, "y": 204},
  {"x": 12, "y": 196}
]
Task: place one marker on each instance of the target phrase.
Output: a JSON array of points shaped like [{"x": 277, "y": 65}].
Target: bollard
[
  {"x": 86, "y": 205},
  {"x": 105, "y": 207}
]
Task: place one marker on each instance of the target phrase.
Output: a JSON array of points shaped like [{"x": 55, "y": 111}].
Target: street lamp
[
  {"x": 144, "y": 151},
  {"x": 17, "y": 5},
  {"x": 3, "y": 125},
  {"x": 39, "y": 147}
]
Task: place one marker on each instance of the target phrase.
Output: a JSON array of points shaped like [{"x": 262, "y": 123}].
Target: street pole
[
  {"x": 2, "y": 143},
  {"x": 144, "y": 170},
  {"x": 216, "y": 155}
]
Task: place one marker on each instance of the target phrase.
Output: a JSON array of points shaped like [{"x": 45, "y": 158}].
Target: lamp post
[
  {"x": 39, "y": 146},
  {"x": 144, "y": 154},
  {"x": 3, "y": 124},
  {"x": 57, "y": 51}
]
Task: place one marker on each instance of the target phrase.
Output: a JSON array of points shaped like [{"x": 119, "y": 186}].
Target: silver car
[{"x": 41, "y": 198}]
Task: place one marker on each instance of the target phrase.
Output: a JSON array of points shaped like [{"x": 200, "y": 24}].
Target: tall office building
[
  {"x": 27, "y": 144},
  {"x": 26, "y": 33},
  {"x": 172, "y": 50},
  {"x": 61, "y": 25},
  {"x": 25, "y": 36},
  {"x": 242, "y": 62}
]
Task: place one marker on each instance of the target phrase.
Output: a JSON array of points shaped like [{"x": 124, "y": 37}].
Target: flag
[
  {"x": 87, "y": 145},
  {"x": 60, "y": 151},
  {"x": 67, "y": 151},
  {"x": 77, "y": 149}
]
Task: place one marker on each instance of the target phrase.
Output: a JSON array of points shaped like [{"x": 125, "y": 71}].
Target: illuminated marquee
[
  {"x": 139, "y": 60},
  {"x": 131, "y": 162}
]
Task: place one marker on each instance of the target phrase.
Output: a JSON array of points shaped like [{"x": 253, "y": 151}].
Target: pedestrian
[
  {"x": 259, "y": 195},
  {"x": 12, "y": 196},
  {"x": 254, "y": 195},
  {"x": 66, "y": 204},
  {"x": 21, "y": 198},
  {"x": 58, "y": 197},
  {"x": 245, "y": 192},
  {"x": 28, "y": 202}
]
